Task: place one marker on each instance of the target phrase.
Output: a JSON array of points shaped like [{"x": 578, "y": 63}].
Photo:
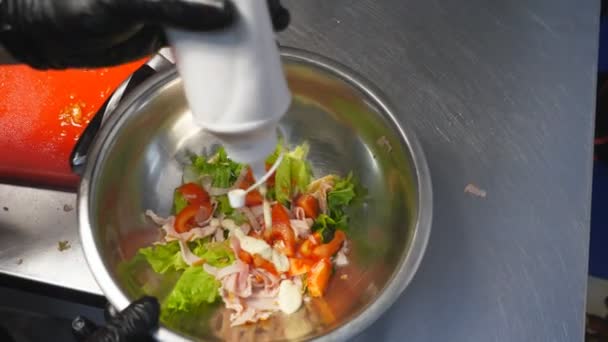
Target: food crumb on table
[
  {"x": 20, "y": 261},
  {"x": 475, "y": 190},
  {"x": 63, "y": 245},
  {"x": 5, "y": 208},
  {"x": 344, "y": 277},
  {"x": 67, "y": 208}
]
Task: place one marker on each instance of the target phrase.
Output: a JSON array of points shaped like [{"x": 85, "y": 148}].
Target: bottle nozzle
[{"x": 236, "y": 197}]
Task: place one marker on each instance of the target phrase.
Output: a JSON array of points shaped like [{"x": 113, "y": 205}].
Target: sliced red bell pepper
[
  {"x": 326, "y": 250},
  {"x": 300, "y": 266},
  {"x": 318, "y": 277},
  {"x": 280, "y": 215},
  {"x": 310, "y": 205},
  {"x": 184, "y": 221},
  {"x": 245, "y": 257},
  {"x": 306, "y": 248},
  {"x": 264, "y": 264},
  {"x": 281, "y": 229},
  {"x": 194, "y": 193},
  {"x": 253, "y": 197}
]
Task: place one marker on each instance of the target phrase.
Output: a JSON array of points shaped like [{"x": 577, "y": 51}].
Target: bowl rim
[{"x": 409, "y": 263}]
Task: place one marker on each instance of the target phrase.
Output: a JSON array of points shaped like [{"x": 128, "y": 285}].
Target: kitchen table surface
[{"x": 501, "y": 95}]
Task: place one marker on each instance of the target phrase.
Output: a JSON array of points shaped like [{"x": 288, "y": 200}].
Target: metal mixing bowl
[{"x": 137, "y": 159}]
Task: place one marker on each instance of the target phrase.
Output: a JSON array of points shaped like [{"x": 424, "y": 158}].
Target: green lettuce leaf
[
  {"x": 194, "y": 288},
  {"x": 163, "y": 258},
  {"x": 341, "y": 196},
  {"x": 282, "y": 181},
  {"x": 216, "y": 254},
  {"x": 277, "y": 151},
  {"x": 293, "y": 175},
  {"x": 325, "y": 225},
  {"x": 167, "y": 257},
  {"x": 301, "y": 171},
  {"x": 344, "y": 193},
  {"x": 179, "y": 202}
]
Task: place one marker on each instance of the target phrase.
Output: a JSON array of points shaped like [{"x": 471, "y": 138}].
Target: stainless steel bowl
[{"x": 136, "y": 162}]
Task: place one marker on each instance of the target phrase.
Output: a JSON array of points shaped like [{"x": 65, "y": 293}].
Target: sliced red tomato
[
  {"x": 197, "y": 198},
  {"x": 284, "y": 233},
  {"x": 281, "y": 229},
  {"x": 318, "y": 277},
  {"x": 280, "y": 215},
  {"x": 326, "y": 250},
  {"x": 184, "y": 221},
  {"x": 300, "y": 266},
  {"x": 194, "y": 193},
  {"x": 310, "y": 205}
]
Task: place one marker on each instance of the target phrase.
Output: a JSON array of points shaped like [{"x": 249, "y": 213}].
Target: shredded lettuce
[
  {"x": 164, "y": 258},
  {"x": 325, "y": 225},
  {"x": 194, "y": 287},
  {"x": 343, "y": 194},
  {"x": 238, "y": 218},
  {"x": 222, "y": 169},
  {"x": 223, "y": 205}
]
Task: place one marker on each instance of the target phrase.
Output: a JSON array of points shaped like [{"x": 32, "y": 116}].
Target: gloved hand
[
  {"x": 58, "y": 34},
  {"x": 135, "y": 323}
]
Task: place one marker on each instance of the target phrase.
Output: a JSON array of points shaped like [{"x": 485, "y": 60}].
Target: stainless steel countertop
[{"x": 501, "y": 95}]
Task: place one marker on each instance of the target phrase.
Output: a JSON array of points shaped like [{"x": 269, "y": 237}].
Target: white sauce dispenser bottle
[{"x": 234, "y": 82}]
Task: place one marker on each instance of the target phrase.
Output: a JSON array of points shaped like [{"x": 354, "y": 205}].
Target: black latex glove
[
  {"x": 58, "y": 34},
  {"x": 135, "y": 323}
]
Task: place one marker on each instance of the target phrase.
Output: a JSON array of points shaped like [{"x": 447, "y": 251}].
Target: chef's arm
[{"x": 59, "y": 34}]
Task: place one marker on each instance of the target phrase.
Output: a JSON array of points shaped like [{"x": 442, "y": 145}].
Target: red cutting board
[{"x": 42, "y": 114}]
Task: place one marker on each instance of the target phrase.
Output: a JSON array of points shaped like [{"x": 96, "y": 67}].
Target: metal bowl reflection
[{"x": 136, "y": 163}]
